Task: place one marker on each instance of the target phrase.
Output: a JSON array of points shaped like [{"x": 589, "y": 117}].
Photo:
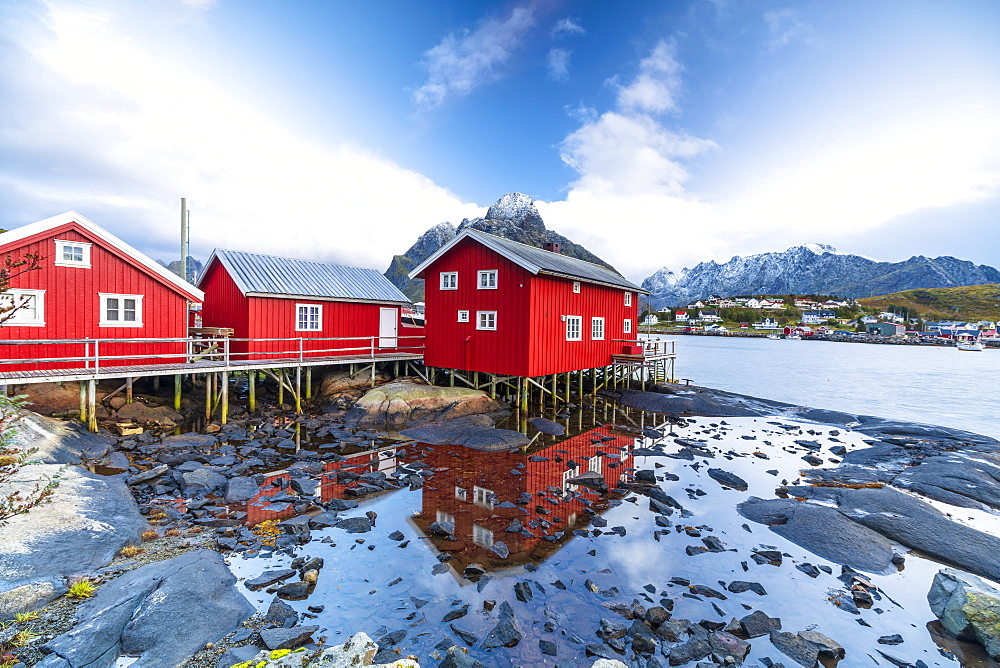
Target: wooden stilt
[
  {"x": 555, "y": 390},
  {"x": 208, "y": 397},
  {"x": 298, "y": 390},
  {"x": 281, "y": 387},
  {"x": 567, "y": 387},
  {"x": 178, "y": 382},
  {"x": 373, "y": 374},
  {"x": 451, "y": 378},
  {"x": 493, "y": 387},
  {"x": 523, "y": 390},
  {"x": 128, "y": 390},
  {"x": 83, "y": 402},
  {"x": 579, "y": 385},
  {"x": 92, "y": 405},
  {"x": 309, "y": 382},
  {"x": 156, "y": 384},
  {"x": 252, "y": 390},
  {"x": 225, "y": 396}
]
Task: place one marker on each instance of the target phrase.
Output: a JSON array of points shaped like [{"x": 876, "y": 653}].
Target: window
[
  {"x": 463, "y": 316},
  {"x": 482, "y": 536},
  {"x": 72, "y": 254},
  {"x": 573, "y": 328},
  {"x": 627, "y": 328},
  {"x": 121, "y": 310},
  {"x": 442, "y": 516},
  {"x": 576, "y": 287},
  {"x": 482, "y": 497},
  {"x": 597, "y": 329},
  {"x": 488, "y": 279},
  {"x": 628, "y": 299},
  {"x": 449, "y": 280},
  {"x": 486, "y": 319},
  {"x": 595, "y": 463},
  {"x": 461, "y": 493},
  {"x": 308, "y": 317},
  {"x": 30, "y": 311},
  {"x": 568, "y": 475}
]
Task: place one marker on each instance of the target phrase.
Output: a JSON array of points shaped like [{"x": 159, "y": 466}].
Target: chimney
[{"x": 552, "y": 247}]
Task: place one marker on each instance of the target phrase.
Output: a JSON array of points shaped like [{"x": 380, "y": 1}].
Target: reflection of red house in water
[{"x": 468, "y": 491}]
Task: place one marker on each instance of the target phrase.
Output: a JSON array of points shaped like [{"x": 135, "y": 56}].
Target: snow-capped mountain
[
  {"x": 811, "y": 269},
  {"x": 513, "y": 216}
]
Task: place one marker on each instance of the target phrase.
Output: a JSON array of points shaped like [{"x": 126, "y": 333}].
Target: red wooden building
[
  {"x": 497, "y": 306},
  {"x": 333, "y": 310},
  {"x": 91, "y": 285}
]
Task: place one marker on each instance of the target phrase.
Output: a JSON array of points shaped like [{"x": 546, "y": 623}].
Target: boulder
[
  {"x": 968, "y": 607},
  {"x": 51, "y": 398},
  {"x": 240, "y": 489},
  {"x": 139, "y": 613},
  {"x": 547, "y": 426},
  {"x": 407, "y": 403},
  {"x": 58, "y": 441},
  {"x": 475, "y": 432},
  {"x": 202, "y": 481},
  {"x": 339, "y": 381},
  {"x": 140, "y": 412},
  {"x": 80, "y": 528}
]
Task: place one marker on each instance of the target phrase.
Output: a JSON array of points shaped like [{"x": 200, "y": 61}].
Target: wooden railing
[
  {"x": 652, "y": 347},
  {"x": 95, "y": 354}
]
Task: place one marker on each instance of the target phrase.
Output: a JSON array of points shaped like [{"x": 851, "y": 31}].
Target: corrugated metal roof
[
  {"x": 554, "y": 263},
  {"x": 267, "y": 274}
]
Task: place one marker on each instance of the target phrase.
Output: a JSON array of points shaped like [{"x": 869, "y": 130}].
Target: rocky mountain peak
[{"x": 519, "y": 209}]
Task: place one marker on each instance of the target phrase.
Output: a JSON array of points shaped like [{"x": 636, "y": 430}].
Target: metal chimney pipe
[{"x": 185, "y": 231}]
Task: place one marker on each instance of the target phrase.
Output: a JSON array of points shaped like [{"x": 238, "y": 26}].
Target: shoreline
[{"x": 837, "y": 338}]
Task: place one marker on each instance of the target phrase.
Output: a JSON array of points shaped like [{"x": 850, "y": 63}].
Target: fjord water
[{"x": 930, "y": 384}]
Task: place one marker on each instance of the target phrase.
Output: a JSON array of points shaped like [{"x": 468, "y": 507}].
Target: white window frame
[
  {"x": 59, "y": 261},
  {"x": 597, "y": 329},
  {"x": 449, "y": 280},
  {"x": 482, "y": 536},
  {"x": 104, "y": 322},
  {"x": 483, "y": 497},
  {"x": 572, "y": 320},
  {"x": 627, "y": 326},
  {"x": 444, "y": 516},
  {"x": 487, "y": 279},
  {"x": 17, "y": 296},
  {"x": 628, "y": 299},
  {"x": 483, "y": 319},
  {"x": 308, "y": 328},
  {"x": 463, "y": 316},
  {"x": 576, "y": 287},
  {"x": 461, "y": 493}
]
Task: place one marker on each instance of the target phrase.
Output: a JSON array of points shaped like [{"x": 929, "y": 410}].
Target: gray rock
[
  {"x": 146, "y": 476},
  {"x": 240, "y": 489},
  {"x": 140, "y": 612},
  {"x": 728, "y": 479},
  {"x": 476, "y": 437},
  {"x": 202, "y": 481},
  {"x": 796, "y": 648},
  {"x": 505, "y": 633},
  {"x": 281, "y": 613},
  {"x": 457, "y": 657},
  {"x": 86, "y": 521},
  {"x": 968, "y": 607},
  {"x": 355, "y": 525},
  {"x": 269, "y": 578},
  {"x": 757, "y": 624},
  {"x": 287, "y": 638},
  {"x": 826, "y": 646},
  {"x": 692, "y": 650},
  {"x": 547, "y": 426},
  {"x": 731, "y": 649},
  {"x": 235, "y": 655},
  {"x": 967, "y": 479}
]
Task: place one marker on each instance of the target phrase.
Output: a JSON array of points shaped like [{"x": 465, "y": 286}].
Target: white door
[{"x": 388, "y": 327}]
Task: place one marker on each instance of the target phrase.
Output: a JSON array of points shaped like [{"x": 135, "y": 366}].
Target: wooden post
[
  {"x": 128, "y": 390},
  {"x": 567, "y": 387},
  {"x": 579, "y": 385},
  {"x": 451, "y": 378},
  {"x": 280, "y": 375},
  {"x": 178, "y": 381},
  {"x": 92, "y": 405},
  {"x": 208, "y": 397},
  {"x": 298, "y": 390},
  {"x": 475, "y": 379},
  {"x": 225, "y": 396},
  {"x": 156, "y": 384},
  {"x": 373, "y": 374},
  {"x": 83, "y": 402},
  {"x": 493, "y": 387},
  {"x": 523, "y": 390},
  {"x": 252, "y": 390},
  {"x": 309, "y": 382}
]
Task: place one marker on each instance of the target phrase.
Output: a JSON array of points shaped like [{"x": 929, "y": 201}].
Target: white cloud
[
  {"x": 785, "y": 26},
  {"x": 558, "y": 63},
  {"x": 655, "y": 88},
  {"x": 461, "y": 63},
  {"x": 567, "y": 26},
  {"x": 133, "y": 129}
]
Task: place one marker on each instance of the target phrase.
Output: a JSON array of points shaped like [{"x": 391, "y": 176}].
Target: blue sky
[{"x": 656, "y": 133}]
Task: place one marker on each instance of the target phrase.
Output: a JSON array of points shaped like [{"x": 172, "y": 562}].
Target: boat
[
  {"x": 774, "y": 337},
  {"x": 969, "y": 342},
  {"x": 793, "y": 337}
]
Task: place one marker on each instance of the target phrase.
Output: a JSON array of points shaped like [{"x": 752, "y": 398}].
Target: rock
[
  {"x": 139, "y": 613},
  {"x": 505, "y": 633},
  {"x": 240, "y": 489},
  {"x": 325, "y": 520},
  {"x": 281, "y": 613},
  {"x": 692, "y": 650},
  {"x": 459, "y": 658},
  {"x": 235, "y": 655},
  {"x": 740, "y": 586},
  {"x": 287, "y": 638},
  {"x": 146, "y": 476},
  {"x": 202, "y": 481},
  {"x": 967, "y": 479},
  {"x": 731, "y": 649},
  {"x": 140, "y": 412},
  {"x": 80, "y": 528},
  {"x": 115, "y": 463},
  {"x": 355, "y": 525},
  {"x": 338, "y": 382},
  {"x": 827, "y": 647},
  {"x": 758, "y": 624},
  {"x": 608, "y": 663},
  {"x": 727, "y": 479},
  {"x": 590, "y": 479},
  {"x": 294, "y": 590},
  {"x": 796, "y": 648},
  {"x": 968, "y": 607},
  {"x": 268, "y": 578},
  {"x": 894, "y": 639},
  {"x": 547, "y": 426},
  {"x": 441, "y": 528},
  {"x": 407, "y": 403},
  {"x": 56, "y": 441},
  {"x": 467, "y": 433}
]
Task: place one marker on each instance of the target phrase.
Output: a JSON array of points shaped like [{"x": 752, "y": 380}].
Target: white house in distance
[
  {"x": 817, "y": 317},
  {"x": 709, "y": 315},
  {"x": 767, "y": 324},
  {"x": 682, "y": 316},
  {"x": 650, "y": 320}
]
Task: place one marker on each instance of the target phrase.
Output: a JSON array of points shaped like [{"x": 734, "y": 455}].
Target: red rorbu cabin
[
  {"x": 95, "y": 288},
  {"x": 322, "y": 310},
  {"x": 498, "y": 306}
]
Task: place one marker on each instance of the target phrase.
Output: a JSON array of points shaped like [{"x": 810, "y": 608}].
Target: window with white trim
[
  {"x": 72, "y": 254},
  {"x": 627, "y": 326},
  {"x": 486, "y": 320},
  {"x": 463, "y": 316},
  {"x": 488, "y": 279},
  {"x": 482, "y": 536},
  {"x": 449, "y": 280},
  {"x": 574, "y": 325},
  {"x": 597, "y": 329},
  {"x": 443, "y": 516},
  {"x": 121, "y": 310},
  {"x": 482, "y": 497},
  {"x": 308, "y": 317},
  {"x": 29, "y": 308},
  {"x": 628, "y": 299},
  {"x": 576, "y": 287},
  {"x": 461, "y": 493}
]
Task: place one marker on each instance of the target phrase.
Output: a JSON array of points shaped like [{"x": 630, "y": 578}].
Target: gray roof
[
  {"x": 266, "y": 274},
  {"x": 540, "y": 261}
]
